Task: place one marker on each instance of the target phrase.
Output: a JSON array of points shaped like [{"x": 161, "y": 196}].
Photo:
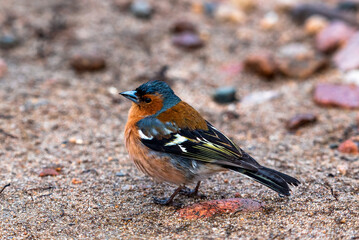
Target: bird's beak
[{"x": 131, "y": 95}]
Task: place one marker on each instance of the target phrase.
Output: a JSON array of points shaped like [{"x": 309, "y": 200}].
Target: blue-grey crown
[{"x": 152, "y": 87}]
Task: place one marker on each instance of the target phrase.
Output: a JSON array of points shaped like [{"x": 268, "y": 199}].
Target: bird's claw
[
  {"x": 192, "y": 193},
  {"x": 164, "y": 201}
]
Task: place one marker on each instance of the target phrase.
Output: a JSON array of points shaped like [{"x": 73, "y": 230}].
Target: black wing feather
[{"x": 209, "y": 146}]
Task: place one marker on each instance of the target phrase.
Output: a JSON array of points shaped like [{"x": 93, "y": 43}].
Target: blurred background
[{"x": 279, "y": 77}]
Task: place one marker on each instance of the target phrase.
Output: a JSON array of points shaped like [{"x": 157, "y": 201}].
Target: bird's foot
[
  {"x": 167, "y": 201},
  {"x": 192, "y": 193},
  {"x": 163, "y": 201}
]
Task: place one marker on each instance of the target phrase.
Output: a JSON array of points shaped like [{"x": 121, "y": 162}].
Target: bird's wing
[{"x": 209, "y": 146}]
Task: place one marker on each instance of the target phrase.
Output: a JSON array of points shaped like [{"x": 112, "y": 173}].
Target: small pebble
[
  {"x": 120, "y": 174},
  {"x": 228, "y": 13},
  {"x": 76, "y": 181},
  {"x": 114, "y": 95},
  {"x": 8, "y": 41},
  {"x": 315, "y": 24},
  {"x": 48, "y": 172},
  {"x": 225, "y": 206},
  {"x": 141, "y": 9},
  {"x": 3, "y": 68},
  {"x": 183, "y": 26},
  {"x": 350, "y": 146},
  {"x": 77, "y": 141},
  {"x": 347, "y": 58},
  {"x": 352, "y": 6},
  {"x": 342, "y": 169},
  {"x": 187, "y": 41},
  {"x": 113, "y": 91},
  {"x": 210, "y": 8},
  {"x": 337, "y": 95},
  {"x": 301, "y": 120},
  {"x": 296, "y": 50},
  {"x": 269, "y": 21},
  {"x": 335, "y": 35},
  {"x": 259, "y": 97},
  {"x": 342, "y": 220},
  {"x": 261, "y": 63},
  {"x": 298, "y": 60},
  {"x": 87, "y": 62},
  {"x": 224, "y": 95},
  {"x": 127, "y": 187},
  {"x": 333, "y": 145}
]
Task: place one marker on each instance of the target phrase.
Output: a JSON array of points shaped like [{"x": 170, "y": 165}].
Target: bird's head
[{"x": 153, "y": 97}]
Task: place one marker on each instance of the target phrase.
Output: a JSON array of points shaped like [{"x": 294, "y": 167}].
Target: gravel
[{"x": 99, "y": 194}]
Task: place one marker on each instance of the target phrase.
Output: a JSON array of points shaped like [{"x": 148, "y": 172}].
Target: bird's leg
[
  {"x": 167, "y": 201},
  {"x": 192, "y": 192}
]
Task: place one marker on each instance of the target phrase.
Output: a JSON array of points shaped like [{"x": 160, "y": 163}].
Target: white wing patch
[
  {"x": 183, "y": 149},
  {"x": 177, "y": 141},
  {"x": 143, "y": 136}
]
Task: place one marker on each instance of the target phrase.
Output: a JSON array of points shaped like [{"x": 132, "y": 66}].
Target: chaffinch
[{"x": 171, "y": 142}]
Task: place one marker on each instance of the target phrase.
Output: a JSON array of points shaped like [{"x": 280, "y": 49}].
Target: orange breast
[{"x": 155, "y": 165}]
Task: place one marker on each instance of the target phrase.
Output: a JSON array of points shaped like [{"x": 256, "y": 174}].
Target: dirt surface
[{"x": 51, "y": 116}]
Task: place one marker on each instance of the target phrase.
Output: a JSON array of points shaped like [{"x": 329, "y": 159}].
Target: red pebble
[
  {"x": 301, "y": 120},
  {"x": 349, "y": 146},
  {"x": 334, "y": 36},
  {"x": 48, "y": 172},
  {"x": 337, "y": 95},
  {"x": 261, "y": 63},
  {"x": 211, "y": 208}
]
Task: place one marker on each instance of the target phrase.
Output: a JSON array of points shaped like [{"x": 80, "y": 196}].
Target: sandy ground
[{"x": 99, "y": 193}]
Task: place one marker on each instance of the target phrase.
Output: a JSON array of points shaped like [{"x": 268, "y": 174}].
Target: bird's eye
[{"x": 147, "y": 100}]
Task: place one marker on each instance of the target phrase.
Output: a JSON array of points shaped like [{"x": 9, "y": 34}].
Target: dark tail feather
[{"x": 273, "y": 179}]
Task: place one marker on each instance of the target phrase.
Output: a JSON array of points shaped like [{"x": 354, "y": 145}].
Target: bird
[{"x": 171, "y": 142}]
